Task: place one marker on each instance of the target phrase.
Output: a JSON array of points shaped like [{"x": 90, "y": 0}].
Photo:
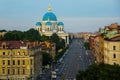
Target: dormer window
[
  {"x": 3, "y": 46},
  {"x": 28, "y": 46}
]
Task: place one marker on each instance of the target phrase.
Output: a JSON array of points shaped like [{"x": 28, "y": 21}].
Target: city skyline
[{"x": 78, "y": 16}]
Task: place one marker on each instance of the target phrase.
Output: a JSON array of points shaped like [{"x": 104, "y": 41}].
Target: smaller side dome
[
  {"x": 60, "y": 24},
  {"x": 38, "y": 24},
  {"x": 48, "y": 24}
]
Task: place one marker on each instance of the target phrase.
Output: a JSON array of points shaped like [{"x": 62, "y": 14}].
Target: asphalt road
[{"x": 75, "y": 59}]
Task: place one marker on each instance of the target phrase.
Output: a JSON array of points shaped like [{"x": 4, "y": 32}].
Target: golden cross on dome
[{"x": 49, "y": 8}]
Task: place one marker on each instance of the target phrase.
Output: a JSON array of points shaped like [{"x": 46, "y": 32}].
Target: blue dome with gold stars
[
  {"x": 60, "y": 24},
  {"x": 49, "y": 15},
  {"x": 38, "y": 24}
]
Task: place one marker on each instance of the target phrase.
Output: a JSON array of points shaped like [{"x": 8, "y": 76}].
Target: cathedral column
[{"x": 68, "y": 40}]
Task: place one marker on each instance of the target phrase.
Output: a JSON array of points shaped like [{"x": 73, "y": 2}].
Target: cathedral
[{"x": 50, "y": 25}]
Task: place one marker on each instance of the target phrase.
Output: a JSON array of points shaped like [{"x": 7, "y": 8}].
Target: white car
[{"x": 54, "y": 75}]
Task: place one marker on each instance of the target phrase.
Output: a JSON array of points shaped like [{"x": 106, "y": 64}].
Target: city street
[{"x": 75, "y": 59}]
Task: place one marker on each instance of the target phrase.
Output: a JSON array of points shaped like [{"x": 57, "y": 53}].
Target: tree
[
  {"x": 54, "y": 38},
  {"x": 100, "y": 72},
  {"x": 47, "y": 59},
  {"x": 3, "y": 30},
  {"x": 44, "y": 38},
  {"x": 86, "y": 44},
  {"x": 60, "y": 43},
  {"x": 30, "y": 35},
  {"x": 13, "y": 35}
]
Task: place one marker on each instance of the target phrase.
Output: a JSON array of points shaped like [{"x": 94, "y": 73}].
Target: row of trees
[
  {"x": 30, "y": 35},
  {"x": 100, "y": 72}
]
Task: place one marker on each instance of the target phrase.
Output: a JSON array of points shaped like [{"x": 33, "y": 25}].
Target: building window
[
  {"x": 23, "y": 71},
  {"x": 23, "y": 62},
  {"x": 8, "y": 53},
  {"x": 3, "y": 46},
  {"x": 114, "y": 55},
  {"x": 114, "y": 47},
  {"x": 3, "y": 62},
  {"x": 3, "y": 53},
  {"x": 8, "y": 62},
  {"x": 18, "y": 71},
  {"x": 18, "y": 78},
  {"x": 31, "y": 62},
  {"x": 13, "y": 62},
  {"x": 18, "y": 53},
  {"x": 23, "y": 79},
  {"x": 13, "y": 53},
  {"x": 8, "y": 71},
  {"x": 18, "y": 62},
  {"x": 13, "y": 71},
  {"x": 23, "y": 53},
  {"x": 3, "y": 71}
]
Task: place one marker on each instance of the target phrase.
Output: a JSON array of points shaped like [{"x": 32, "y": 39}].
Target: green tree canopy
[
  {"x": 3, "y": 30},
  {"x": 87, "y": 46},
  {"x": 44, "y": 38},
  {"x": 30, "y": 35},
  {"x": 47, "y": 58},
  {"x": 55, "y": 38},
  {"x": 60, "y": 43},
  {"x": 100, "y": 72},
  {"x": 13, "y": 35}
]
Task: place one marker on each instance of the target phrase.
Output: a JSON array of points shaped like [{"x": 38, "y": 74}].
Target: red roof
[{"x": 16, "y": 44}]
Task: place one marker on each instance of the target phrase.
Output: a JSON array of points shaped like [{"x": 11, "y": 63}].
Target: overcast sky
[{"x": 77, "y": 15}]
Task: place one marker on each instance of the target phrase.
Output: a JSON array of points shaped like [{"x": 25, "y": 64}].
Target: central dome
[{"x": 49, "y": 16}]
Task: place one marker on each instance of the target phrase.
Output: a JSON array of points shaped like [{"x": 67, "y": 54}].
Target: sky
[{"x": 77, "y": 15}]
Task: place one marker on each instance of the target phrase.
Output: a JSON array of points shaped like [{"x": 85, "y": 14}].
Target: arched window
[
  {"x": 114, "y": 63},
  {"x": 114, "y": 55},
  {"x": 18, "y": 53},
  {"x": 3, "y": 46},
  {"x": 114, "y": 47},
  {"x": 23, "y": 53}
]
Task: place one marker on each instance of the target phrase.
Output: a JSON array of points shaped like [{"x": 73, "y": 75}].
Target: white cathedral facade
[{"x": 50, "y": 25}]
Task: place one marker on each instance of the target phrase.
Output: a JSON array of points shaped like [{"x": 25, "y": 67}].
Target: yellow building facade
[
  {"x": 15, "y": 64},
  {"x": 111, "y": 52},
  {"x": 19, "y": 63},
  {"x": 102, "y": 48}
]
